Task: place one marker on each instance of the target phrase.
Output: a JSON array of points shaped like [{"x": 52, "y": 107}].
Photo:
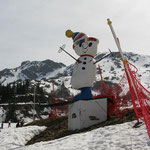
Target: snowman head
[{"x": 82, "y": 44}]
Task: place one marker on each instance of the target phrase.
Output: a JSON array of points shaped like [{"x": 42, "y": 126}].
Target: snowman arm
[
  {"x": 101, "y": 58},
  {"x": 62, "y": 49}
]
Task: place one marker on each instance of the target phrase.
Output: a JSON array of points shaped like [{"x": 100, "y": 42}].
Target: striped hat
[{"x": 77, "y": 37}]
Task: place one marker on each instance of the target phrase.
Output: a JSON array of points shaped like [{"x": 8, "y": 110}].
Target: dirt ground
[{"x": 58, "y": 127}]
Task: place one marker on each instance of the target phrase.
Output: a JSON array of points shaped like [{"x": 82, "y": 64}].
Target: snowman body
[
  {"x": 84, "y": 69},
  {"x": 84, "y": 72}
]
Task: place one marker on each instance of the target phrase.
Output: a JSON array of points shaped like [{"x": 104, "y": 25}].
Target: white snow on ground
[
  {"x": 13, "y": 138},
  {"x": 2, "y": 114},
  {"x": 115, "y": 137}
]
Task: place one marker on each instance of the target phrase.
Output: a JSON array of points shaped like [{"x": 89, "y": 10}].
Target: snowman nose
[{"x": 85, "y": 45}]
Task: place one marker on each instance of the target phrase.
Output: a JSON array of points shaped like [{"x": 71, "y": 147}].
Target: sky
[{"x": 35, "y": 29}]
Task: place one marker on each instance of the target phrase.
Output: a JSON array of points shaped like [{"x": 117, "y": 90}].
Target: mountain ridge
[
  {"x": 29, "y": 70},
  {"x": 111, "y": 67}
]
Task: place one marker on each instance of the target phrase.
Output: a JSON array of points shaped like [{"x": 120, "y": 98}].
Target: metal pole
[
  {"x": 123, "y": 58},
  {"x": 101, "y": 58},
  {"x": 68, "y": 53},
  {"x": 34, "y": 103},
  {"x": 54, "y": 109}
]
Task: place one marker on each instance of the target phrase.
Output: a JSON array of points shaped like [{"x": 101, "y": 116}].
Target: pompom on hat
[{"x": 69, "y": 33}]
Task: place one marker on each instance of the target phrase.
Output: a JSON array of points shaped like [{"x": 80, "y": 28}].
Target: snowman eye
[{"x": 90, "y": 44}]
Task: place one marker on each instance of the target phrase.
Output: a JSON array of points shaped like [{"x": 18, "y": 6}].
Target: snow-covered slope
[
  {"x": 112, "y": 69},
  {"x": 114, "y": 137},
  {"x": 14, "y": 138}
]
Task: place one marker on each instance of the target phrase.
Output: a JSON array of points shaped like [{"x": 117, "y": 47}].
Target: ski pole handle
[{"x": 68, "y": 53}]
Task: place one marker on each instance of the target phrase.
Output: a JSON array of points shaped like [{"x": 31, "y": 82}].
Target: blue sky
[{"x": 35, "y": 29}]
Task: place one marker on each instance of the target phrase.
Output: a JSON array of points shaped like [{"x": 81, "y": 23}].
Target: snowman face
[{"x": 86, "y": 47}]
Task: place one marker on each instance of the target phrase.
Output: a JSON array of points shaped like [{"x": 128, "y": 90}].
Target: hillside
[
  {"x": 51, "y": 79},
  {"x": 34, "y": 70},
  {"x": 112, "y": 69},
  {"x": 43, "y": 72}
]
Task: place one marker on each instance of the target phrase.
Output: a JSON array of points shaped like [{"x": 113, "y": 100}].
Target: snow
[
  {"x": 2, "y": 114},
  {"x": 114, "y": 137},
  {"x": 54, "y": 73},
  {"x": 13, "y": 138},
  {"x": 23, "y": 118}
]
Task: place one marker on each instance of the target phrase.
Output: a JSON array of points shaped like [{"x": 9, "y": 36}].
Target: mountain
[
  {"x": 44, "y": 71},
  {"x": 30, "y": 70},
  {"x": 52, "y": 79},
  {"x": 113, "y": 70}
]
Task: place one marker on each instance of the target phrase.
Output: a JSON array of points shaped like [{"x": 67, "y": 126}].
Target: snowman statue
[{"x": 84, "y": 71}]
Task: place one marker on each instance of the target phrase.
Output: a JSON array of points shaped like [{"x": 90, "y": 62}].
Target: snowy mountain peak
[{"x": 29, "y": 70}]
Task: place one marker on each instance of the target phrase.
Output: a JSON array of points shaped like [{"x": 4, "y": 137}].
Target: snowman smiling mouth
[{"x": 85, "y": 50}]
